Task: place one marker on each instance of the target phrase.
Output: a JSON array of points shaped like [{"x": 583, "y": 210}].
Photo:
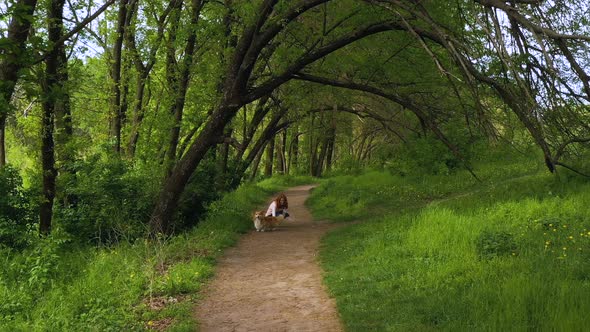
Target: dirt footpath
[{"x": 271, "y": 281}]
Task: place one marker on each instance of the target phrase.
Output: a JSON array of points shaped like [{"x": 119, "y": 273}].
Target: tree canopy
[{"x": 162, "y": 105}]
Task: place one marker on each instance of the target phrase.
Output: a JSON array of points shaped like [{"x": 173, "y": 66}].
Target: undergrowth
[{"x": 56, "y": 285}]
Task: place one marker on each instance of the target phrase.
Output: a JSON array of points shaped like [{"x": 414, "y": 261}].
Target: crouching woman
[{"x": 278, "y": 207}]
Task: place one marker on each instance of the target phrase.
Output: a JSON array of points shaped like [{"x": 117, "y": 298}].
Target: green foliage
[
  {"x": 428, "y": 155},
  {"x": 424, "y": 155},
  {"x": 282, "y": 181}
]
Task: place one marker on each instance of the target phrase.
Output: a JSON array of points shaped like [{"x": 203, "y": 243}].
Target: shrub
[
  {"x": 16, "y": 215},
  {"x": 107, "y": 201}
]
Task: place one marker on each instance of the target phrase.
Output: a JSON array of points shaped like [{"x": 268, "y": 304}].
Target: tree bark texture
[
  {"x": 116, "y": 92},
  {"x": 269, "y": 159},
  {"x": 183, "y": 83},
  {"x": 56, "y": 98}
]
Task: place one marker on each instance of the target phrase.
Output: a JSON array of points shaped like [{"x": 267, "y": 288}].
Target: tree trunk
[
  {"x": 294, "y": 152},
  {"x": 2, "y": 140},
  {"x": 319, "y": 167},
  {"x": 330, "y": 153},
  {"x": 63, "y": 113},
  {"x": 55, "y": 98},
  {"x": 222, "y": 161},
  {"x": 284, "y": 153},
  {"x": 280, "y": 155},
  {"x": 256, "y": 164},
  {"x": 267, "y": 134},
  {"x": 331, "y": 138},
  {"x": 183, "y": 83},
  {"x": 268, "y": 166},
  {"x": 138, "y": 114},
  {"x": 143, "y": 71},
  {"x": 312, "y": 147},
  {"x": 175, "y": 183},
  {"x": 10, "y": 61},
  {"x": 116, "y": 109},
  {"x": 257, "y": 117}
]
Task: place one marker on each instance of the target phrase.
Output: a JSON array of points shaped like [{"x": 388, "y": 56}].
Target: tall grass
[
  {"x": 506, "y": 255},
  {"x": 132, "y": 286}
]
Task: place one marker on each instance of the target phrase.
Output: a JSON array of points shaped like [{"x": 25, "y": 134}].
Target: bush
[
  {"x": 107, "y": 201},
  {"x": 16, "y": 215},
  {"x": 425, "y": 155},
  {"x": 204, "y": 187}
]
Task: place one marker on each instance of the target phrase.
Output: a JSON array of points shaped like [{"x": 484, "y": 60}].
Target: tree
[{"x": 12, "y": 59}]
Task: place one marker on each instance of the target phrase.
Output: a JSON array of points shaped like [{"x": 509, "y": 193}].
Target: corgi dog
[{"x": 264, "y": 223}]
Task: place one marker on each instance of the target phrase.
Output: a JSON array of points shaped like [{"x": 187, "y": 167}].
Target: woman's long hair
[{"x": 278, "y": 201}]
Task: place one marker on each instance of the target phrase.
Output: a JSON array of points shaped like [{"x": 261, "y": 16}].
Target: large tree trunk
[
  {"x": 175, "y": 183},
  {"x": 116, "y": 109},
  {"x": 55, "y": 99},
  {"x": 11, "y": 61}
]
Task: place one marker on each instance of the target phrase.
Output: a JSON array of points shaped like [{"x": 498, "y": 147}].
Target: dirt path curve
[{"x": 271, "y": 281}]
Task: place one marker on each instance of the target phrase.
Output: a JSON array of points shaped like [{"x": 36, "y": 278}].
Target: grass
[
  {"x": 132, "y": 286},
  {"x": 510, "y": 254}
]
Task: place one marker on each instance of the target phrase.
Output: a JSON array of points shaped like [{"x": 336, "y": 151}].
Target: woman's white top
[{"x": 272, "y": 209}]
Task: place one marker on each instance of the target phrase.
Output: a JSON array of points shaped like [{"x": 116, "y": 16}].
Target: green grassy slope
[{"x": 510, "y": 254}]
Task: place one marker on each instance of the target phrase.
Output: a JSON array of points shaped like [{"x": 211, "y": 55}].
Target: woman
[{"x": 278, "y": 207}]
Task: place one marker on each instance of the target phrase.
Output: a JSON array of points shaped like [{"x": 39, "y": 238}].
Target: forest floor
[{"x": 271, "y": 281}]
